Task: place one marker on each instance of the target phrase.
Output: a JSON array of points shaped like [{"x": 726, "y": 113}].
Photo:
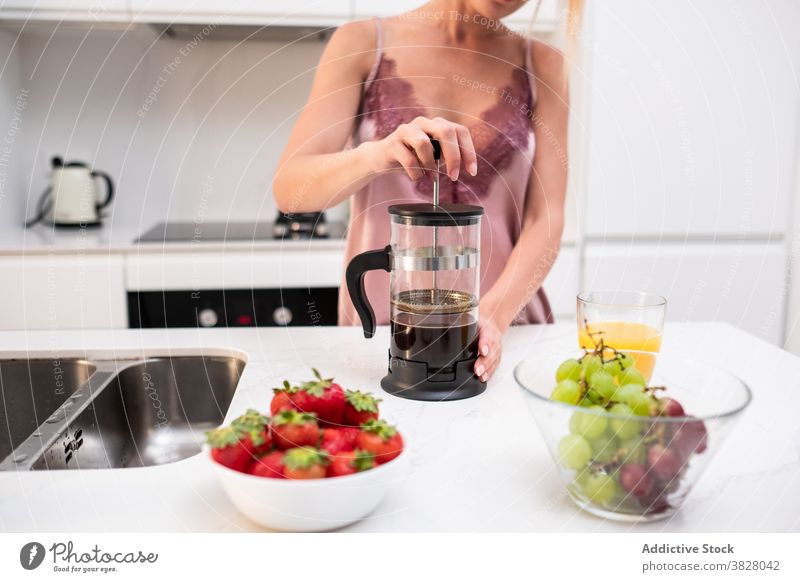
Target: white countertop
[
  {"x": 468, "y": 470},
  {"x": 42, "y": 239}
]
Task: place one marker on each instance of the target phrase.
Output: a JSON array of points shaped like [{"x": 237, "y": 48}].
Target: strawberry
[
  {"x": 292, "y": 429},
  {"x": 335, "y": 441},
  {"x": 380, "y": 439},
  {"x": 350, "y": 462},
  {"x": 304, "y": 463},
  {"x": 322, "y": 397},
  {"x": 270, "y": 465},
  {"x": 283, "y": 398},
  {"x": 359, "y": 408},
  {"x": 256, "y": 426},
  {"x": 231, "y": 447}
]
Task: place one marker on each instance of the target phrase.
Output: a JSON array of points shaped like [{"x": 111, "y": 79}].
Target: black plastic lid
[{"x": 441, "y": 215}]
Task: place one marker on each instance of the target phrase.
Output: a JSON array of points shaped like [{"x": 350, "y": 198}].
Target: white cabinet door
[
  {"x": 743, "y": 284},
  {"x": 279, "y": 12},
  {"x": 562, "y": 284},
  {"x": 521, "y": 20},
  {"x": 368, "y": 8},
  {"x": 65, "y": 9},
  {"x": 62, "y": 292},
  {"x": 694, "y": 114}
]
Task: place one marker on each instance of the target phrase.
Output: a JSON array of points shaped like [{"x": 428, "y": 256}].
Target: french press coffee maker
[{"x": 434, "y": 263}]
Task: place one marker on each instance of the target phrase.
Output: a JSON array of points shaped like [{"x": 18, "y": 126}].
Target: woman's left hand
[{"x": 490, "y": 348}]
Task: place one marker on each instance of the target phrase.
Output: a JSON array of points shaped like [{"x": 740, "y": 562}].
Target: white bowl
[{"x": 308, "y": 505}]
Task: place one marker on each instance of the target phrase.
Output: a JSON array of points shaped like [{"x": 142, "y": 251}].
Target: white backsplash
[{"x": 187, "y": 129}]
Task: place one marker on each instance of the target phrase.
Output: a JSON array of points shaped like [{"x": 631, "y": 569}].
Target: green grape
[
  {"x": 604, "y": 447},
  {"x": 641, "y": 404},
  {"x": 603, "y": 383},
  {"x": 625, "y": 360},
  {"x": 574, "y": 451},
  {"x": 591, "y": 364},
  {"x": 613, "y": 368},
  {"x": 627, "y": 392},
  {"x": 594, "y": 397},
  {"x": 633, "y": 451},
  {"x": 588, "y": 425},
  {"x": 632, "y": 376},
  {"x": 567, "y": 391},
  {"x": 569, "y": 370},
  {"x": 624, "y": 428},
  {"x": 599, "y": 488},
  {"x": 585, "y": 402}
]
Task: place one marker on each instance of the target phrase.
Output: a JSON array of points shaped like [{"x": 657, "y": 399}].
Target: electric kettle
[{"x": 72, "y": 199}]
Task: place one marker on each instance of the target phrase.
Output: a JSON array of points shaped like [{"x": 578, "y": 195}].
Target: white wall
[
  {"x": 13, "y": 117},
  {"x": 206, "y": 144}
]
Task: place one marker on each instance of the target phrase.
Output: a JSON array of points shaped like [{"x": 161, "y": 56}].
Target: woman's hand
[
  {"x": 409, "y": 147},
  {"x": 490, "y": 348}
]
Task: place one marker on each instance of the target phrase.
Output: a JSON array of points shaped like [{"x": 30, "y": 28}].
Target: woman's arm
[
  {"x": 316, "y": 172},
  {"x": 543, "y": 221}
]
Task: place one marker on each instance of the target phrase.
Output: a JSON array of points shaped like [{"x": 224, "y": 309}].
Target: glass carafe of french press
[{"x": 434, "y": 266}]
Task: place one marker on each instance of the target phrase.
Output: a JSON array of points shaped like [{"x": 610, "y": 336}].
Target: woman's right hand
[{"x": 409, "y": 147}]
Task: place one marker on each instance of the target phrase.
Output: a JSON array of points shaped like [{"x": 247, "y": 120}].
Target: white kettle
[{"x": 72, "y": 198}]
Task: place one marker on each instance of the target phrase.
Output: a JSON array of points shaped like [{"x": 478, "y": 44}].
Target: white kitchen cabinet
[
  {"x": 521, "y": 20},
  {"x": 563, "y": 282},
  {"x": 176, "y": 271},
  {"x": 68, "y": 291},
  {"x": 743, "y": 284},
  {"x": 91, "y": 10},
  {"x": 694, "y": 116},
  {"x": 258, "y": 12}
]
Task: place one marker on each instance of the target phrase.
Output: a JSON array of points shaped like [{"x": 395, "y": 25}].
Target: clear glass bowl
[{"x": 635, "y": 468}]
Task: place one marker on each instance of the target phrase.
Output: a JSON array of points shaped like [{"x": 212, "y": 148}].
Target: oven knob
[
  {"x": 207, "y": 317},
  {"x": 282, "y": 315}
]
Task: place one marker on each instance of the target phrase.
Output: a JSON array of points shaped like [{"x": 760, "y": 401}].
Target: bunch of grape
[{"x": 625, "y": 457}]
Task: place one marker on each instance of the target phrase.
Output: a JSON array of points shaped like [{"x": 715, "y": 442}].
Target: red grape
[
  {"x": 635, "y": 479},
  {"x": 671, "y": 407},
  {"x": 666, "y": 463},
  {"x": 690, "y": 437}
]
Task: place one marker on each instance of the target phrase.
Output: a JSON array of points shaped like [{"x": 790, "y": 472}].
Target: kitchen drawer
[
  {"x": 743, "y": 284},
  {"x": 62, "y": 292},
  {"x": 294, "y": 268}
]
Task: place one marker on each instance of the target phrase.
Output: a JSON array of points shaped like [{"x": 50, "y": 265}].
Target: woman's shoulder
[
  {"x": 353, "y": 45},
  {"x": 547, "y": 60}
]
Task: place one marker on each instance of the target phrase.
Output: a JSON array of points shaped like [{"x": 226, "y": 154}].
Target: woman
[{"x": 496, "y": 101}]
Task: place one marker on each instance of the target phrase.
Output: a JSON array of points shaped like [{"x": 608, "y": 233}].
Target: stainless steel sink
[
  {"x": 30, "y": 390},
  {"x": 128, "y": 414}
]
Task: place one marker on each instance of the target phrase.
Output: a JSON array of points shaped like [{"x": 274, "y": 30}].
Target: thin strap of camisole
[
  {"x": 529, "y": 70},
  {"x": 378, "y": 53}
]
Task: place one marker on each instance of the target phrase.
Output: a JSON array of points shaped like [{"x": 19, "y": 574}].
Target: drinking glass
[{"x": 625, "y": 321}]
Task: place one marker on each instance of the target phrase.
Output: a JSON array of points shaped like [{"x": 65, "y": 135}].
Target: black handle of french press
[
  {"x": 354, "y": 277},
  {"x": 437, "y": 149}
]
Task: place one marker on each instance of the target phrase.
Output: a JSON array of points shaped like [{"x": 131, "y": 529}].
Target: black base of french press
[{"x": 412, "y": 380}]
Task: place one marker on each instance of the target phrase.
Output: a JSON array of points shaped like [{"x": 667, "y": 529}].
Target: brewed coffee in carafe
[{"x": 434, "y": 265}]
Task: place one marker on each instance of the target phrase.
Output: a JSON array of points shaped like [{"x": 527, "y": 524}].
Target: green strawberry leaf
[
  {"x": 363, "y": 461},
  {"x": 379, "y": 427},
  {"x": 293, "y": 417},
  {"x": 226, "y": 436},
  {"x": 317, "y": 387},
  {"x": 362, "y": 402},
  {"x": 304, "y": 458}
]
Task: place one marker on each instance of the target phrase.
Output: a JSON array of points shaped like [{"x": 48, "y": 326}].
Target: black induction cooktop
[{"x": 226, "y": 231}]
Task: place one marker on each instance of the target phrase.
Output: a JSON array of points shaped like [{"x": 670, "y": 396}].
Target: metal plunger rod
[{"x": 437, "y": 155}]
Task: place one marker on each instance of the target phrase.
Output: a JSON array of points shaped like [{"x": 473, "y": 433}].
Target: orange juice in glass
[{"x": 623, "y": 320}]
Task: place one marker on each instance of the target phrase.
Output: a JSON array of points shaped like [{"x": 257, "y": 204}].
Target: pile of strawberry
[{"x": 317, "y": 430}]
